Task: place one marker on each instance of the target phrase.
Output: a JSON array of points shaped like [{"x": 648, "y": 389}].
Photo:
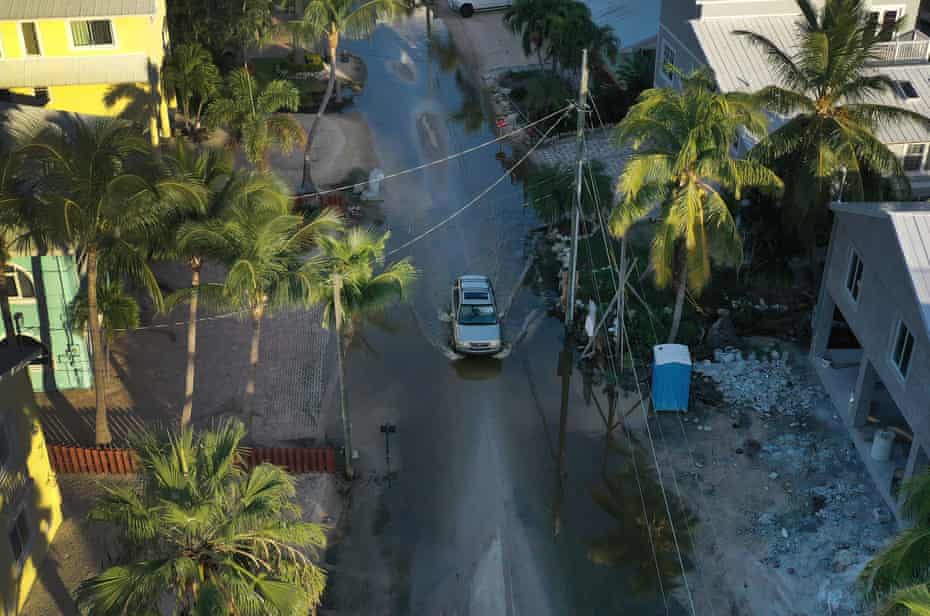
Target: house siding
[
  {"x": 886, "y": 295},
  {"x": 29, "y": 486}
]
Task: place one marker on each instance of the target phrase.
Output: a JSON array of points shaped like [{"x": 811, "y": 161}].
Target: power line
[
  {"x": 478, "y": 197},
  {"x": 446, "y": 158},
  {"x": 622, "y": 327}
]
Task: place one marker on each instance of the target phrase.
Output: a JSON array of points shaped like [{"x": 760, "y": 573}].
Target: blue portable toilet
[{"x": 671, "y": 377}]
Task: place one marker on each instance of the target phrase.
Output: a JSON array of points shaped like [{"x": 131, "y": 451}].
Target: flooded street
[{"x": 473, "y": 512}]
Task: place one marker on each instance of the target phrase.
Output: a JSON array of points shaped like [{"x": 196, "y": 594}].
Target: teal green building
[{"x": 41, "y": 289}]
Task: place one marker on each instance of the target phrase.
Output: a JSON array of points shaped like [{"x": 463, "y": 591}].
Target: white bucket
[{"x": 881, "y": 445}]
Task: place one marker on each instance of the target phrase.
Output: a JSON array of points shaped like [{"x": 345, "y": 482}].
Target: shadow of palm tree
[{"x": 642, "y": 540}]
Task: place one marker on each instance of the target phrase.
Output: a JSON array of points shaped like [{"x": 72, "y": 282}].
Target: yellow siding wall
[
  {"x": 132, "y": 34},
  {"x": 41, "y": 500}
]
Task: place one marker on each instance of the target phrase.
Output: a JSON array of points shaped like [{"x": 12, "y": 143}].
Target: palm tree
[
  {"x": 264, "y": 249},
  {"x": 897, "y": 577},
  {"x": 682, "y": 165},
  {"x": 827, "y": 88},
  {"x": 345, "y": 283},
  {"x": 190, "y": 72},
  {"x": 106, "y": 198},
  {"x": 212, "y": 168},
  {"x": 545, "y": 93},
  {"x": 250, "y": 111},
  {"x": 119, "y": 312},
  {"x": 333, "y": 19},
  {"x": 573, "y": 29},
  {"x": 206, "y": 536},
  {"x": 550, "y": 191},
  {"x": 533, "y": 20}
]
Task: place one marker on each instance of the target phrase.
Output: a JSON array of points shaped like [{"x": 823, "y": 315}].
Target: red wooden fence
[{"x": 109, "y": 461}]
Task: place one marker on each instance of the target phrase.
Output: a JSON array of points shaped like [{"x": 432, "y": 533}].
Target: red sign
[{"x": 501, "y": 123}]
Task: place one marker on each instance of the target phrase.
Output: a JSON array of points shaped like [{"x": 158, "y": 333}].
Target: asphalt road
[{"x": 465, "y": 521}]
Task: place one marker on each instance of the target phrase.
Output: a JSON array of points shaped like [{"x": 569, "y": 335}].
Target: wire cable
[
  {"x": 446, "y": 159},
  {"x": 478, "y": 197}
]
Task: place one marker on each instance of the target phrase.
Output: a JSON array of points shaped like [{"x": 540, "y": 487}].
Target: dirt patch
[{"x": 787, "y": 513}]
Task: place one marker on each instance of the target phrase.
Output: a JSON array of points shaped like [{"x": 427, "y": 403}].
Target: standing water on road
[{"x": 485, "y": 467}]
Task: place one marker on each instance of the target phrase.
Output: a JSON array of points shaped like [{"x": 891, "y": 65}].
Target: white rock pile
[{"x": 763, "y": 383}]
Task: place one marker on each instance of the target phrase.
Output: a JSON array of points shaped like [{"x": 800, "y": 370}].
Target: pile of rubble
[{"x": 763, "y": 383}]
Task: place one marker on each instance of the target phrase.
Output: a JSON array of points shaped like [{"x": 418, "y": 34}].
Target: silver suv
[{"x": 475, "y": 327}]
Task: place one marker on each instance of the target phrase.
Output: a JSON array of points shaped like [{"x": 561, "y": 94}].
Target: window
[
  {"x": 906, "y": 90},
  {"x": 18, "y": 284},
  {"x": 4, "y": 445},
  {"x": 92, "y": 33},
  {"x": 30, "y": 38},
  {"x": 854, "y": 276},
  {"x": 19, "y": 537},
  {"x": 889, "y": 21},
  {"x": 668, "y": 61},
  {"x": 914, "y": 157},
  {"x": 902, "y": 349}
]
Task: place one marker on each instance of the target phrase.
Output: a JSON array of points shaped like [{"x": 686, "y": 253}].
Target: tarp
[{"x": 671, "y": 377}]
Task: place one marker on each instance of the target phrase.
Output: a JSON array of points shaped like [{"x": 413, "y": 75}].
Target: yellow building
[
  {"x": 30, "y": 502},
  {"x": 97, "y": 57}
]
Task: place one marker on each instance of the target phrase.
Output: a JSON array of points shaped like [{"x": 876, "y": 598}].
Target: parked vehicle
[
  {"x": 475, "y": 326},
  {"x": 467, "y": 8}
]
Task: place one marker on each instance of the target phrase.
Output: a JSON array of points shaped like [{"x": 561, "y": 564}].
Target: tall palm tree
[
  {"x": 573, "y": 29},
  {"x": 213, "y": 169},
  {"x": 191, "y": 74},
  {"x": 106, "y": 198},
  {"x": 333, "y": 19},
  {"x": 828, "y": 90},
  {"x": 346, "y": 284},
  {"x": 119, "y": 312},
  {"x": 682, "y": 165},
  {"x": 206, "y": 536},
  {"x": 897, "y": 577},
  {"x": 264, "y": 249},
  {"x": 250, "y": 111}
]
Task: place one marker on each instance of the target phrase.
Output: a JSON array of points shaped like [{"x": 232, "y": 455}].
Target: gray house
[
  {"x": 699, "y": 33},
  {"x": 871, "y": 332}
]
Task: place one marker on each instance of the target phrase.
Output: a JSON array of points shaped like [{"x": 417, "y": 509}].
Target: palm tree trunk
[
  {"x": 306, "y": 183},
  {"x": 679, "y": 302},
  {"x": 9, "y": 327},
  {"x": 101, "y": 425},
  {"x": 249, "y": 406},
  {"x": 187, "y": 411},
  {"x": 343, "y": 402}
]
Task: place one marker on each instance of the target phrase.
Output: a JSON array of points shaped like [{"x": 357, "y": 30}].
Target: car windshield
[{"x": 476, "y": 314}]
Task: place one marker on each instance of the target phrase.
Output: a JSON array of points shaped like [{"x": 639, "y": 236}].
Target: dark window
[
  {"x": 889, "y": 19},
  {"x": 4, "y": 445},
  {"x": 19, "y": 537},
  {"x": 902, "y": 349},
  {"x": 906, "y": 88},
  {"x": 476, "y": 295},
  {"x": 668, "y": 61},
  {"x": 914, "y": 157},
  {"x": 30, "y": 38},
  {"x": 91, "y": 33},
  {"x": 17, "y": 283},
  {"x": 854, "y": 276}
]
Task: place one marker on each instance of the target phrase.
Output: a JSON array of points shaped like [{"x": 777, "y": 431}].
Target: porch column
[
  {"x": 821, "y": 324},
  {"x": 861, "y": 401},
  {"x": 916, "y": 463}
]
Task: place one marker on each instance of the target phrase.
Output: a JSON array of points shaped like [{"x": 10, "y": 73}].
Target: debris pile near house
[
  {"x": 763, "y": 383},
  {"x": 813, "y": 518}
]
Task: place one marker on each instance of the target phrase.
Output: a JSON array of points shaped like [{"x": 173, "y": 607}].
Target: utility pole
[{"x": 576, "y": 209}]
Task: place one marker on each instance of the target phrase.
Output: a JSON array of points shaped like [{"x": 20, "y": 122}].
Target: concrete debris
[{"x": 765, "y": 385}]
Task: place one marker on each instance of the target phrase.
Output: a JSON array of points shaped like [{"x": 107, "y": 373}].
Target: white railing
[{"x": 903, "y": 52}]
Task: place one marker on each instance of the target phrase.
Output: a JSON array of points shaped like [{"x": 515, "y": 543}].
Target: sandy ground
[{"x": 785, "y": 509}]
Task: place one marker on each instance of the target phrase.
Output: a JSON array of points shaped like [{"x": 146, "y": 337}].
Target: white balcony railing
[{"x": 913, "y": 48}]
